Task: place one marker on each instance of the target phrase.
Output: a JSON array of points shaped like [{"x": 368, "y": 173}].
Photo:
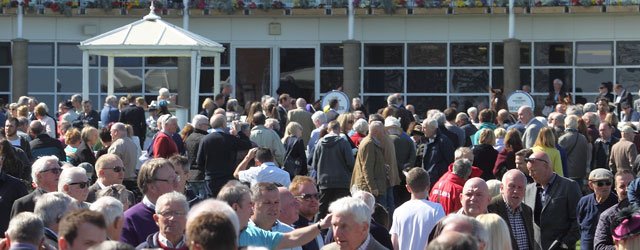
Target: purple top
[{"x": 138, "y": 224}]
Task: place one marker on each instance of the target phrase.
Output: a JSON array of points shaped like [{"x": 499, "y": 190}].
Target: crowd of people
[{"x": 280, "y": 173}]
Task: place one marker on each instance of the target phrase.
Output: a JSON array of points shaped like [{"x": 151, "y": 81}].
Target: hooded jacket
[{"x": 333, "y": 161}]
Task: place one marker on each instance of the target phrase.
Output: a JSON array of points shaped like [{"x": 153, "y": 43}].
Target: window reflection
[
  {"x": 525, "y": 54},
  {"x": 124, "y": 80},
  {"x": 427, "y": 54},
  {"x": 628, "y": 53},
  {"x": 469, "y": 81},
  {"x": 497, "y": 77},
  {"x": 40, "y": 54},
  {"x": 69, "y": 80},
  {"x": 297, "y": 73},
  {"x": 556, "y": 53},
  {"x": 373, "y": 103},
  {"x": 629, "y": 78},
  {"x": 206, "y": 80},
  {"x": 589, "y": 79},
  {"x": 155, "y": 79},
  {"x": 590, "y": 53},
  {"x": 40, "y": 80},
  {"x": 383, "y": 81},
  {"x": 331, "y": 55},
  {"x": 543, "y": 79},
  {"x": 330, "y": 80},
  {"x": 427, "y": 81},
  {"x": 5, "y": 53},
  {"x": 425, "y": 103},
  {"x": 5, "y": 78},
  {"x": 383, "y": 55},
  {"x": 465, "y": 102},
  {"x": 469, "y": 54}
]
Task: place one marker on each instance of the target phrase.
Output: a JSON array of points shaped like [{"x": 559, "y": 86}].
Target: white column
[
  {"x": 185, "y": 15},
  {"x": 85, "y": 75},
  {"x": 194, "y": 88},
  {"x": 350, "y": 20},
  {"x": 512, "y": 21},
  {"x": 110, "y": 75},
  {"x": 216, "y": 74},
  {"x": 19, "y": 19}
]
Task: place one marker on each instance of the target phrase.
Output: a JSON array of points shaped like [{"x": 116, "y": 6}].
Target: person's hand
[
  {"x": 234, "y": 128},
  {"x": 4, "y": 244},
  {"x": 326, "y": 222},
  {"x": 252, "y": 153}
]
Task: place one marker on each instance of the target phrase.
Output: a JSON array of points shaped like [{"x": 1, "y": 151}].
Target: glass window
[
  {"x": 5, "y": 53},
  {"x": 161, "y": 61},
  {"x": 427, "y": 54},
  {"x": 525, "y": 54},
  {"x": 425, "y": 103},
  {"x": 464, "y": 102},
  {"x": 122, "y": 61},
  {"x": 383, "y": 54},
  {"x": 427, "y": 81},
  {"x": 330, "y": 80},
  {"x": 69, "y": 54},
  {"x": 124, "y": 80},
  {"x": 555, "y": 53},
  {"x": 588, "y": 80},
  {"x": 629, "y": 78},
  {"x": 374, "y": 103},
  {"x": 155, "y": 79},
  {"x": 383, "y": 81},
  {"x": 69, "y": 80},
  {"x": 543, "y": 79},
  {"x": 498, "y": 78},
  {"x": 628, "y": 52},
  {"x": 331, "y": 55},
  {"x": 539, "y": 101},
  {"x": 469, "y": 54},
  {"x": 5, "y": 79},
  {"x": 206, "y": 79},
  {"x": 469, "y": 81},
  {"x": 40, "y": 80},
  {"x": 40, "y": 54},
  {"x": 224, "y": 57},
  {"x": 297, "y": 72},
  {"x": 594, "y": 53}
]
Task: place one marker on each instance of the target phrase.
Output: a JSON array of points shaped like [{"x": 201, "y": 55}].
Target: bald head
[
  {"x": 218, "y": 121},
  {"x": 525, "y": 114},
  {"x": 513, "y": 186},
  {"x": 475, "y": 197},
  {"x": 301, "y": 103},
  {"x": 452, "y": 240},
  {"x": 36, "y": 128}
]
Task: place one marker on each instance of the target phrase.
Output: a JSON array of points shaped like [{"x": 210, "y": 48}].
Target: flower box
[
  {"x": 308, "y": 12},
  {"x": 363, "y": 11},
  {"x": 268, "y": 12},
  {"x": 505, "y": 10},
  {"x": 622, "y": 8},
  {"x": 586, "y": 9},
  {"x": 549, "y": 10},
  {"x": 471, "y": 10},
  {"x": 138, "y": 12}
]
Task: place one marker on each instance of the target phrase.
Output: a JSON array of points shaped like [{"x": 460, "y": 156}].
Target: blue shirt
[
  {"x": 588, "y": 213},
  {"x": 254, "y": 236}
]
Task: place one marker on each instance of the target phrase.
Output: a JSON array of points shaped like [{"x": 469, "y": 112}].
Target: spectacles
[
  {"x": 308, "y": 197},
  {"x": 601, "y": 87},
  {"x": 174, "y": 179},
  {"x": 52, "y": 170},
  {"x": 535, "y": 159},
  {"x": 117, "y": 169},
  {"x": 84, "y": 184},
  {"x": 172, "y": 214},
  {"x": 602, "y": 183}
]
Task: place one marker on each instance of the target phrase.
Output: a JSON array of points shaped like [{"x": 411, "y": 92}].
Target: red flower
[{"x": 252, "y": 5}]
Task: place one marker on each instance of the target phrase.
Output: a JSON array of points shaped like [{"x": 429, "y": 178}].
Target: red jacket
[
  {"x": 356, "y": 138},
  {"x": 475, "y": 171},
  {"x": 447, "y": 192},
  {"x": 164, "y": 146}
]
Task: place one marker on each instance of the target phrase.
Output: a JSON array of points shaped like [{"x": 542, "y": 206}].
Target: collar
[
  {"x": 511, "y": 210},
  {"x": 550, "y": 183},
  {"x": 365, "y": 244},
  {"x": 165, "y": 242},
  {"x": 219, "y": 130},
  {"x": 148, "y": 203},
  {"x": 102, "y": 186},
  {"x": 200, "y": 131},
  {"x": 50, "y": 232},
  {"x": 530, "y": 121},
  {"x": 268, "y": 164}
]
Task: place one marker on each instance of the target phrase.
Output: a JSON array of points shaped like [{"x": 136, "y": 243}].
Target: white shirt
[
  {"x": 413, "y": 222},
  {"x": 267, "y": 172}
]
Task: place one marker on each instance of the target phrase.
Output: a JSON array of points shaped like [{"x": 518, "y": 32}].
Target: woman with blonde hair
[
  {"x": 208, "y": 106},
  {"x": 499, "y": 235},
  {"x": 546, "y": 142},
  {"x": 295, "y": 161},
  {"x": 346, "y": 121},
  {"x": 484, "y": 154}
]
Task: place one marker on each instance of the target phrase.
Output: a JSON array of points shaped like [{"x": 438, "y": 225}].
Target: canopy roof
[{"x": 150, "y": 36}]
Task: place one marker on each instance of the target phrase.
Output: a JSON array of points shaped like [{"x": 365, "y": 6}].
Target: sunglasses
[
  {"x": 532, "y": 160},
  {"x": 52, "y": 170},
  {"x": 308, "y": 197},
  {"x": 175, "y": 179},
  {"x": 84, "y": 184},
  {"x": 602, "y": 183},
  {"x": 116, "y": 169}
]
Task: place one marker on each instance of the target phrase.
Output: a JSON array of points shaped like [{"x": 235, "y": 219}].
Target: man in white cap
[{"x": 592, "y": 205}]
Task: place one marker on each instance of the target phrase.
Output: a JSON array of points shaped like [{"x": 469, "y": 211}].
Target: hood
[{"x": 330, "y": 140}]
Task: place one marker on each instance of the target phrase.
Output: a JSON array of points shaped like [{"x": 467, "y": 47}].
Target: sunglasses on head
[
  {"x": 602, "y": 183},
  {"x": 532, "y": 160},
  {"x": 84, "y": 184},
  {"x": 308, "y": 197}
]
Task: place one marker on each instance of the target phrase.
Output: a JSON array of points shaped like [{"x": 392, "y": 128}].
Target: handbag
[{"x": 292, "y": 165}]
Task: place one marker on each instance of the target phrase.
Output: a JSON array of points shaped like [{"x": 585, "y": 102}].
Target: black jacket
[
  {"x": 43, "y": 144},
  {"x": 217, "y": 156},
  {"x": 90, "y": 119},
  {"x": 27, "y": 203},
  {"x": 499, "y": 207},
  {"x": 600, "y": 157},
  {"x": 192, "y": 144},
  {"x": 11, "y": 189},
  {"x": 84, "y": 154},
  {"x": 134, "y": 116}
]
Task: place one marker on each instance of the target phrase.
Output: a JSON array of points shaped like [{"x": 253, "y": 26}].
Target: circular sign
[
  {"x": 343, "y": 100},
  {"x": 518, "y": 99}
]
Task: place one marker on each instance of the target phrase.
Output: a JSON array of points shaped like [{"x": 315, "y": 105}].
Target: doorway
[{"x": 253, "y": 74}]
